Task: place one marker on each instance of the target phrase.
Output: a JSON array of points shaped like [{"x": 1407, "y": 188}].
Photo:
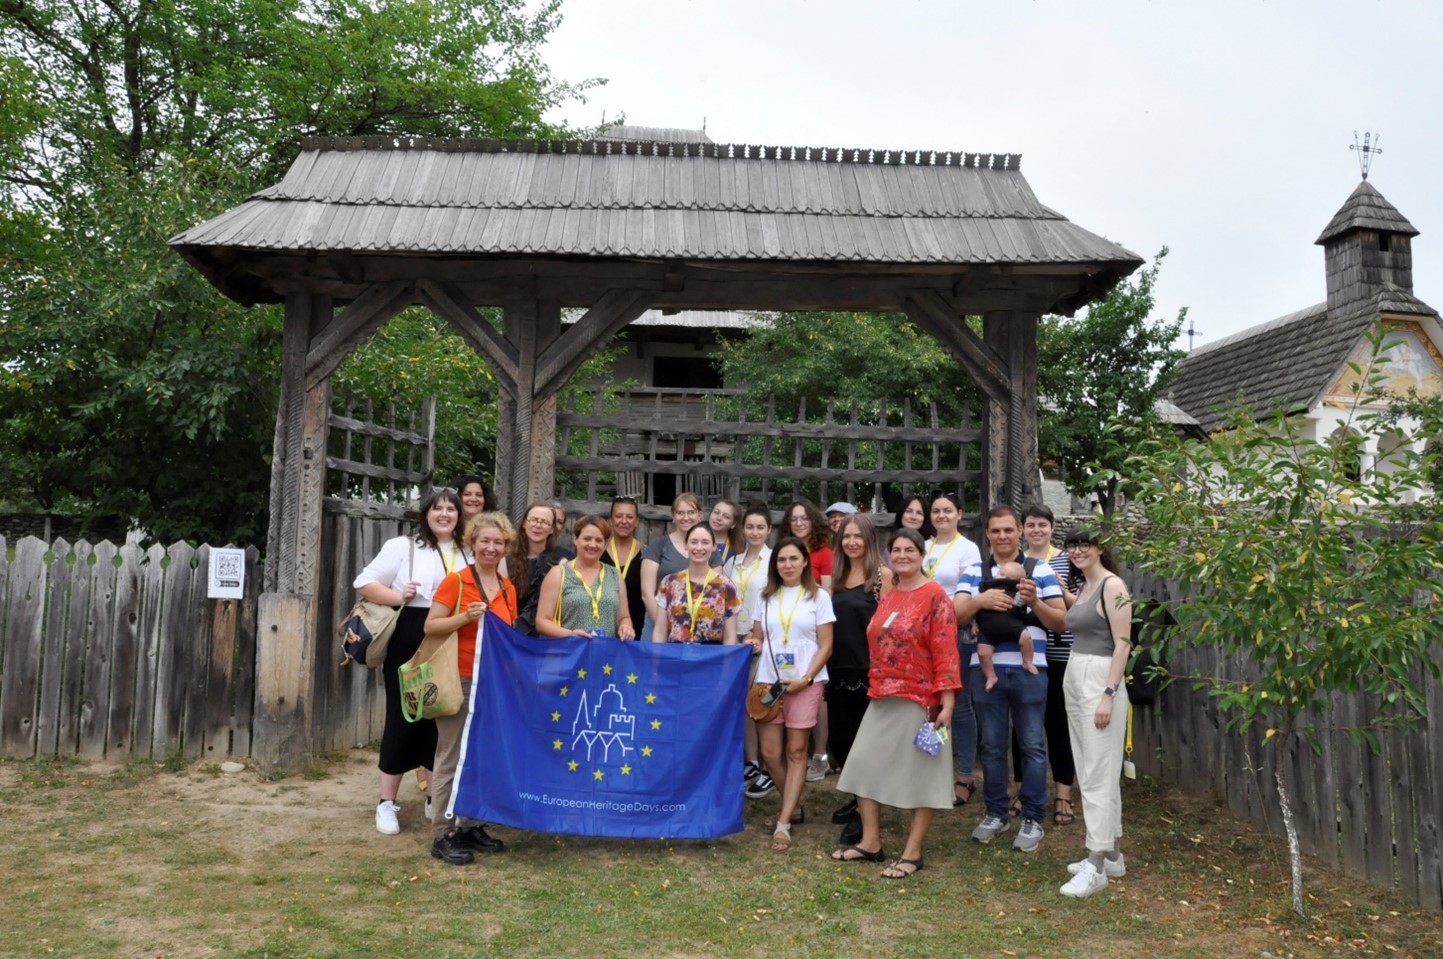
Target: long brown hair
[
  {"x": 821, "y": 532},
  {"x": 774, "y": 579},
  {"x": 519, "y": 559},
  {"x": 871, "y": 554}
]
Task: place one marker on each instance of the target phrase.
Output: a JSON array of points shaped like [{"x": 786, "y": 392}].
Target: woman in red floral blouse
[{"x": 914, "y": 678}]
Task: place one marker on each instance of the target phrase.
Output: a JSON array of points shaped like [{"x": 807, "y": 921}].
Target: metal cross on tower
[
  {"x": 1191, "y": 332},
  {"x": 1366, "y": 151}
]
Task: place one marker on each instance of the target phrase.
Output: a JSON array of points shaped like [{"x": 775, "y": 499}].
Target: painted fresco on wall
[{"x": 1413, "y": 361}]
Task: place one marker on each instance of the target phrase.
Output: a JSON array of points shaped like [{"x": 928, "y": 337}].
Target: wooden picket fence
[{"x": 1374, "y": 816}]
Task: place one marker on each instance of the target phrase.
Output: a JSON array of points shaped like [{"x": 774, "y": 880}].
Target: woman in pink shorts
[{"x": 792, "y": 630}]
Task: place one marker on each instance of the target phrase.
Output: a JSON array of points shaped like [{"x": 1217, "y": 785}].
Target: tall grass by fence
[{"x": 1373, "y": 816}]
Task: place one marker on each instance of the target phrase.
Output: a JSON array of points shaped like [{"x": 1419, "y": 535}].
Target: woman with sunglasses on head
[
  {"x": 748, "y": 569},
  {"x": 623, "y": 551},
  {"x": 578, "y": 597},
  {"x": 726, "y": 529},
  {"x": 458, "y": 605},
  {"x": 530, "y": 559},
  {"x": 698, "y": 604},
  {"x": 1101, "y": 625},
  {"x": 946, "y": 555},
  {"x": 667, "y": 554},
  {"x": 792, "y": 629},
  {"x": 1037, "y": 528},
  {"x": 914, "y": 677},
  {"x": 860, "y": 581},
  {"x": 406, "y": 573}
]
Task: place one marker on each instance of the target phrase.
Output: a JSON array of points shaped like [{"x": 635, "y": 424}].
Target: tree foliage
[
  {"x": 1113, "y": 361},
  {"x": 128, "y": 386},
  {"x": 1325, "y": 580}
]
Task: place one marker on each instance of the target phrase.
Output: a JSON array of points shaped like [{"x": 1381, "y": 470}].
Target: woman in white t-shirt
[
  {"x": 948, "y": 553},
  {"x": 792, "y": 628},
  {"x": 748, "y": 569}
]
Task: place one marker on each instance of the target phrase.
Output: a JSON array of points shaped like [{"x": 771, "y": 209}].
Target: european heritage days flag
[{"x": 604, "y": 738}]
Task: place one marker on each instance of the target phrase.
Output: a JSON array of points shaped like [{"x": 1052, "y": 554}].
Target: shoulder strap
[{"x": 1029, "y": 563}]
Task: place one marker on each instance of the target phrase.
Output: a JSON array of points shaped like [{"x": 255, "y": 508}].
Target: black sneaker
[
  {"x": 851, "y": 832},
  {"x": 449, "y": 850},
  {"x": 845, "y": 813},
  {"x": 477, "y": 839}
]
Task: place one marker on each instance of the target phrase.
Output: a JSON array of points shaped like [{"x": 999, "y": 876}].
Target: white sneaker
[
  {"x": 428, "y": 811},
  {"x": 386, "y": 822},
  {"x": 1086, "y": 882},
  {"x": 817, "y": 768},
  {"x": 1111, "y": 868}
]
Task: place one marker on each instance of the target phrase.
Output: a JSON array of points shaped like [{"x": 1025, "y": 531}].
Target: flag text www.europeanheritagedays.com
[{"x": 596, "y": 737}]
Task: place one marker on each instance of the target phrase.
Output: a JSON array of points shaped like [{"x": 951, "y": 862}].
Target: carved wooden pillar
[
  {"x": 287, "y": 640},
  {"x": 1012, "y": 419}
]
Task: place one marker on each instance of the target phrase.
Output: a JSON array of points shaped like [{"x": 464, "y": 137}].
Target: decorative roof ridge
[{"x": 655, "y": 148}]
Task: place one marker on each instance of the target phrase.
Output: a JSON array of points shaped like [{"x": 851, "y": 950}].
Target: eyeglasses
[
  {"x": 1078, "y": 547},
  {"x": 540, "y": 521}
]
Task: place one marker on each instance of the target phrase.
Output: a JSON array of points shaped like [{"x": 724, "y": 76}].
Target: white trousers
[{"x": 1098, "y": 753}]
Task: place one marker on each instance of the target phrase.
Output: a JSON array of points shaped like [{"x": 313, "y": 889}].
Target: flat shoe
[
  {"x": 843, "y": 814},
  {"x": 782, "y": 838},
  {"x": 846, "y": 854},
  {"x": 898, "y": 869}
]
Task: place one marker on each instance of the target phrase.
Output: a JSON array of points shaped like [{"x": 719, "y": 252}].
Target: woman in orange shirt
[{"x": 479, "y": 587}]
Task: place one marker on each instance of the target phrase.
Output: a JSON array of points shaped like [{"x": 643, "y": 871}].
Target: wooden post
[
  {"x": 1011, "y": 422},
  {"x": 288, "y": 632}
]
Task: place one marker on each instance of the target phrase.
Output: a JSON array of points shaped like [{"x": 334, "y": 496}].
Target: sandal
[
  {"x": 798, "y": 818},
  {"x": 899, "y": 870},
  {"x": 1015, "y": 810},
  {"x": 1060, "y": 816},
  {"x": 962, "y": 800},
  {"x": 782, "y": 838},
  {"x": 855, "y": 853}
]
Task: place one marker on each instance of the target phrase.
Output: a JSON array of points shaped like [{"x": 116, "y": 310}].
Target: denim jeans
[
  {"x": 1019, "y": 699},
  {"x": 964, "y": 719}
]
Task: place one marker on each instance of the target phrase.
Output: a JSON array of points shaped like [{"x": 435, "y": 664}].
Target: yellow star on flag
[
  {"x": 656, "y": 724},
  {"x": 631, "y": 677},
  {"x": 626, "y": 770},
  {"x": 646, "y": 750},
  {"x": 556, "y": 717},
  {"x": 571, "y": 765},
  {"x": 564, "y": 689},
  {"x": 581, "y": 674},
  {"x": 650, "y": 698},
  {"x": 555, "y": 744},
  {"x": 606, "y": 669},
  {"x": 598, "y": 775}
]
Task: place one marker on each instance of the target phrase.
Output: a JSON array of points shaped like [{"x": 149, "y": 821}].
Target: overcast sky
[{"x": 1218, "y": 129}]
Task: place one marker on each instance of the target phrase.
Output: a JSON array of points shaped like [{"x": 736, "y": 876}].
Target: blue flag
[{"x": 603, "y": 738}]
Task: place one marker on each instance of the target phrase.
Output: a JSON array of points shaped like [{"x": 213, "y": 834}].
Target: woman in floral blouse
[
  {"x": 914, "y": 678},
  {"x": 698, "y": 604}
]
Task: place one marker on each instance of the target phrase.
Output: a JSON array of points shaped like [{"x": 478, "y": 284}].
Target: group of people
[{"x": 881, "y": 639}]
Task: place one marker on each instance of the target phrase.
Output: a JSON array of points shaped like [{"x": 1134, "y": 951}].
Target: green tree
[
  {"x": 128, "y": 386},
  {"x": 1113, "y": 361},
  {"x": 1325, "y": 580}
]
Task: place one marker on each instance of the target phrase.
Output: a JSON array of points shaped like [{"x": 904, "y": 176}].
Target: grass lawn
[{"x": 167, "y": 860}]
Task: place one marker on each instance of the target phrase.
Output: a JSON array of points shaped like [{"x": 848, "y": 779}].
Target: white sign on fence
[{"x": 227, "y": 578}]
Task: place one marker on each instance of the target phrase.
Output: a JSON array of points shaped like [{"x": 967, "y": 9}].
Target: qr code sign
[{"x": 228, "y": 570}]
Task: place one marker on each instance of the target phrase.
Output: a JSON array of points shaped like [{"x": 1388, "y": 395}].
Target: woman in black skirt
[{"x": 405, "y": 573}]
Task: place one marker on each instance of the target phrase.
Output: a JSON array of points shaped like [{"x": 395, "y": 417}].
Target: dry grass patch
[{"x": 165, "y": 860}]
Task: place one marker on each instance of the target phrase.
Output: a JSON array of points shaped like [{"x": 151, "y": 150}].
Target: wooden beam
[
  {"x": 281, "y": 725},
  {"x": 366, "y": 314},
  {"x": 447, "y": 301},
  {"x": 1012, "y": 419},
  {"x": 986, "y": 367},
  {"x": 604, "y": 320}
]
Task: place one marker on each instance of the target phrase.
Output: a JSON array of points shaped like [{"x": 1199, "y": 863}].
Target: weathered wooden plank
[
  {"x": 80, "y": 649},
  {"x": 375, "y": 471},
  {"x": 195, "y": 676},
  {"x": 366, "y": 428},
  {"x": 281, "y": 728},
  {"x": 1321, "y": 767},
  {"x": 1311, "y": 816},
  {"x": 19, "y": 685},
  {"x": 1402, "y": 794},
  {"x": 174, "y": 637},
  {"x": 1350, "y": 787},
  {"x": 737, "y": 431},
  {"x": 244, "y": 670},
  {"x": 1378, "y": 819},
  {"x": 222, "y": 633},
  {"x": 99, "y": 673},
  {"x": 350, "y": 507},
  {"x": 55, "y": 637},
  {"x": 127, "y": 650},
  {"x": 149, "y": 640},
  {"x": 1427, "y": 755},
  {"x": 794, "y": 473}
]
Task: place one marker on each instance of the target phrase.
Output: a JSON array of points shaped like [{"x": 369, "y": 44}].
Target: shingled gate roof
[
  {"x": 654, "y": 201},
  {"x": 1286, "y": 363}
]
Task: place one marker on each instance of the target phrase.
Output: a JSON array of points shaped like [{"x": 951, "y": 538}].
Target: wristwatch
[{"x": 1110, "y": 691}]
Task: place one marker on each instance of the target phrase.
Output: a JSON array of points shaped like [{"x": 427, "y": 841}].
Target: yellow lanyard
[
  {"x": 692, "y": 607},
  {"x": 445, "y": 565},
  {"x": 744, "y": 578},
  {"x": 594, "y": 597},
  {"x": 726, "y": 551},
  {"x": 616, "y": 558},
  {"x": 929, "y": 564},
  {"x": 786, "y": 618}
]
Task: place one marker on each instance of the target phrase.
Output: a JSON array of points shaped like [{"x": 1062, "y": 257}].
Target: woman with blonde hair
[
  {"x": 582, "y": 596},
  {"x": 667, "y": 554},
  {"x": 457, "y": 606}
]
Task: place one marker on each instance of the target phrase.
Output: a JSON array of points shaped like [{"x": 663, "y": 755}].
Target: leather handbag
[
  {"x": 366, "y": 630},
  {"x": 764, "y": 700}
]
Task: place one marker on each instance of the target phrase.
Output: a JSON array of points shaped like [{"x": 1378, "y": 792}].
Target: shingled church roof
[{"x": 1366, "y": 209}]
